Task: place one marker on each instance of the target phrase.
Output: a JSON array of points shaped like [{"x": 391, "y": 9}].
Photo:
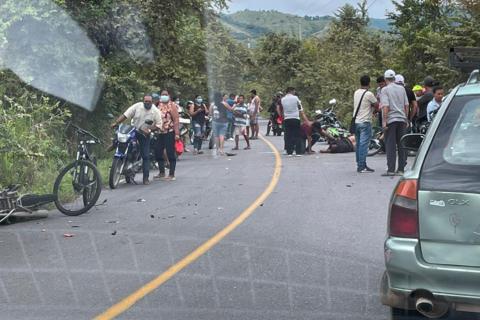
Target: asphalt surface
[{"x": 313, "y": 250}]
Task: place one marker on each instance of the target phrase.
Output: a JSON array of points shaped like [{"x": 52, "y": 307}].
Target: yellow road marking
[{"x": 127, "y": 302}]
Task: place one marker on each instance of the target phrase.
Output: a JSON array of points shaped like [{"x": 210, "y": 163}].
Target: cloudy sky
[{"x": 378, "y": 8}]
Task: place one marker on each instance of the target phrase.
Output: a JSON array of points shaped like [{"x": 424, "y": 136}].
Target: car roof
[{"x": 472, "y": 86}]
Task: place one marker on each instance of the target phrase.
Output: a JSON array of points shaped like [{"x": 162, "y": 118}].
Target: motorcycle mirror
[{"x": 332, "y": 102}]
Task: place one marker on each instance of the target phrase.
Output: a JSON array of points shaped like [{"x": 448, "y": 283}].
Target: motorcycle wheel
[
  {"x": 374, "y": 147},
  {"x": 115, "y": 173}
]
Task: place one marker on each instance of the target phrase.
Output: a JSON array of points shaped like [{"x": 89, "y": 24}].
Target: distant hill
[{"x": 250, "y": 25}]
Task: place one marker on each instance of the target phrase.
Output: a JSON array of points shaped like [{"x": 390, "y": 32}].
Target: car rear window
[{"x": 453, "y": 160}]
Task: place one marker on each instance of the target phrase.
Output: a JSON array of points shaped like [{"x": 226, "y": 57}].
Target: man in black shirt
[{"x": 423, "y": 102}]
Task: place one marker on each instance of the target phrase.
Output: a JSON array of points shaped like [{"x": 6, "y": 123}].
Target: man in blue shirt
[{"x": 436, "y": 103}]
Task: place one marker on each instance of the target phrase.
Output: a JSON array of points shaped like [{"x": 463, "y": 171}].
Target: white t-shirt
[
  {"x": 292, "y": 106},
  {"x": 139, "y": 115},
  {"x": 366, "y": 111}
]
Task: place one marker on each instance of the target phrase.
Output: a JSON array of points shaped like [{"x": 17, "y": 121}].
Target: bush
[{"x": 32, "y": 141}]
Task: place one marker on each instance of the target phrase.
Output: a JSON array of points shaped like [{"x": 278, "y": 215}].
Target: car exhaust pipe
[
  {"x": 424, "y": 306},
  {"x": 429, "y": 307}
]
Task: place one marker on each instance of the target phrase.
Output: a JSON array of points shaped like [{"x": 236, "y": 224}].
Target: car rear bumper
[{"x": 407, "y": 273}]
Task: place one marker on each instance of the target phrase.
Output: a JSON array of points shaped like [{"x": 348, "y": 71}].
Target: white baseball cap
[
  {"x": 390, "y": 74},
  {"x": 399, "y": 79}
]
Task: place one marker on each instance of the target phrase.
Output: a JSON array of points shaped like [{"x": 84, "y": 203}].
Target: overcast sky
[{"x": 378, "y": 8}]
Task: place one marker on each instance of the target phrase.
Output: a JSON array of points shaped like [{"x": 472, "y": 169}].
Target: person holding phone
[{"x": 198, "y": 111}]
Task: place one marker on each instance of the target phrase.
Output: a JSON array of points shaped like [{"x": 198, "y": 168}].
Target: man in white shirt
[
  {"x": 436, "y": 103},
  {"x": 364, "y": 103},
  {"x": 292, "y": 110},
  {"x": 139, "y": 114}
]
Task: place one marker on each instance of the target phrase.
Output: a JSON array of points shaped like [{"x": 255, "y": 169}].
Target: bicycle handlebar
[{"x": 85, "y": 133}]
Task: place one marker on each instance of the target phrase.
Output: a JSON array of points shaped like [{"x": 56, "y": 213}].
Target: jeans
[
  {"x": 144, "y": 143},
  {"x": 166, "y": 141},
  {"x": 293, "y": 136},
  {"x": 363, "y": 134},
  {"x": 393, "y": 135},
  {"x": 199, "y": 130},
  {"x": 220, "y": 129}
]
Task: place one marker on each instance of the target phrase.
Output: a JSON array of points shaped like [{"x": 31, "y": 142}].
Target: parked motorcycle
[
  {"x": 377, "y": 143},
  {"x": 127, "y": 160},
  {"x": 275, "y": 124}
]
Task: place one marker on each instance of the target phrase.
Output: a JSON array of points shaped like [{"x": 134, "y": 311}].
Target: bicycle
[
  {"x": 85, "y": 182},
  {"x": 82, "y": 174}
]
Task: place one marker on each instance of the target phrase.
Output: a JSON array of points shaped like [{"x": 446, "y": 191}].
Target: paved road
[{"x": 313, "y": 250}]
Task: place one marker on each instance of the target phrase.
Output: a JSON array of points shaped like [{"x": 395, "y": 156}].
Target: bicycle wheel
[{"x": 77, "y": 188}]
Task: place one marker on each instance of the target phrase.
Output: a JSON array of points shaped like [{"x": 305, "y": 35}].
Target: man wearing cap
[
  {"x": 412, "y": 100},
  {"x": 418, "y": 91},
  {"x": 395, "y": 107},
  {"x": 423, "y": 102}
]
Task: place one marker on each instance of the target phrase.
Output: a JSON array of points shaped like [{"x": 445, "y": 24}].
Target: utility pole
[{"x": 300, "y": 36}]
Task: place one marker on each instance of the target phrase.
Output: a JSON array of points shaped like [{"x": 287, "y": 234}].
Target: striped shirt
[{"x": 241, "y": 112}]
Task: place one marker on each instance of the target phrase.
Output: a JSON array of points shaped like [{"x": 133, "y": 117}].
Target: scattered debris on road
[
  {"x": 141, "y": 200},
  {"x": 152, "y": 216},
  {"x": 68, "y": 235},
  {"x": 114, "y": 232},
  {"x": 171, "y": 216}
]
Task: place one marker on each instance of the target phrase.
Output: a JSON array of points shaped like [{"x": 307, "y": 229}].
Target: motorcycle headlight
[{"x": 122, "y": 137}]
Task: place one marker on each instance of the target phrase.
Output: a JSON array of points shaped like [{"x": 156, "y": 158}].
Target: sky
[{"x": 377, "y": 9}]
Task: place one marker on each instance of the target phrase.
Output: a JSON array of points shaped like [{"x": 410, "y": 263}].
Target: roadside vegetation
[{"x": 193, "y": 51}]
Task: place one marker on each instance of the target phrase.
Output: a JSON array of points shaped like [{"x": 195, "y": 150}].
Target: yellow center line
[{"x": 127, "y": 302}]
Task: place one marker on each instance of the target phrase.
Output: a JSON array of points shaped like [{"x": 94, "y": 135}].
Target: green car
[{"x": 432, "y": 250}]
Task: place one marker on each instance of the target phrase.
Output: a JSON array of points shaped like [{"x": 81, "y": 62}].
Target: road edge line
[{"x": 127, "y": 302}]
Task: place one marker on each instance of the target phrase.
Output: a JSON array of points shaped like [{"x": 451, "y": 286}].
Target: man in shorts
[
  {"x": 240, "y": 111},
  {"x": 255, "y": 109}
]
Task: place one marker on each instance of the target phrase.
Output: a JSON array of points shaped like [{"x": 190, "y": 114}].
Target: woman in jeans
[
  {"x": 220, "y": 120},
  {"x": 167, "y": 136},
  {"x": 198, "y": 111}
]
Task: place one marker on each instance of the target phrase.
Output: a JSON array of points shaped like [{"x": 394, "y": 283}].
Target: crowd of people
[{"x": 399, "y": 109}]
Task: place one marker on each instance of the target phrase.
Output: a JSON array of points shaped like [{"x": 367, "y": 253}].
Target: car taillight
[{"x": 403, "y": 220}]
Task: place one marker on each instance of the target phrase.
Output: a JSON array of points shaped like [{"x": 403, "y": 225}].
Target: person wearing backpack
[{"x": 364, "y": 103}]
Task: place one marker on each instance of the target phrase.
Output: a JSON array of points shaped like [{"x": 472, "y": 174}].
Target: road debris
[
  {"x": 141, "y": 200},
  {"x": 112, "y": 221},
  {"x": 114, "y": 232},
  {"x": 68, "y": 235},
  {"x": 152, "y": 216}
]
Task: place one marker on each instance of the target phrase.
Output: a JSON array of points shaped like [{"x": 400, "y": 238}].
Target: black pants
[
  {"x": 293, "y": 136},
  {"x": 144, "y": 143},
  {"x": 395, "y": 132},
  {"x": 166, "y": 141}
]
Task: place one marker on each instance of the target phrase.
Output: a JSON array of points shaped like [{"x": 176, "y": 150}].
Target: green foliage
[{"x": 32, "y": 144}]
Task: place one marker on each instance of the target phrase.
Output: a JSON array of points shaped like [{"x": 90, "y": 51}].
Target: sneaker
[
  {"x": 299, "y": 155},
  {"x": 365, "y": 170},
  {"x": 200, "y": 152},
  {"x": 231, "y": 139},
  {"x": 399, "y": 173},
  {"x": 388, "y": 174},
  {"x": 146, "y": 182},
  {"x": 169, "y": 178},
  {"x": 369, "y": 169},
  {"x": 290, "y": 155},
  {"x": 159, "y": 176}
]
